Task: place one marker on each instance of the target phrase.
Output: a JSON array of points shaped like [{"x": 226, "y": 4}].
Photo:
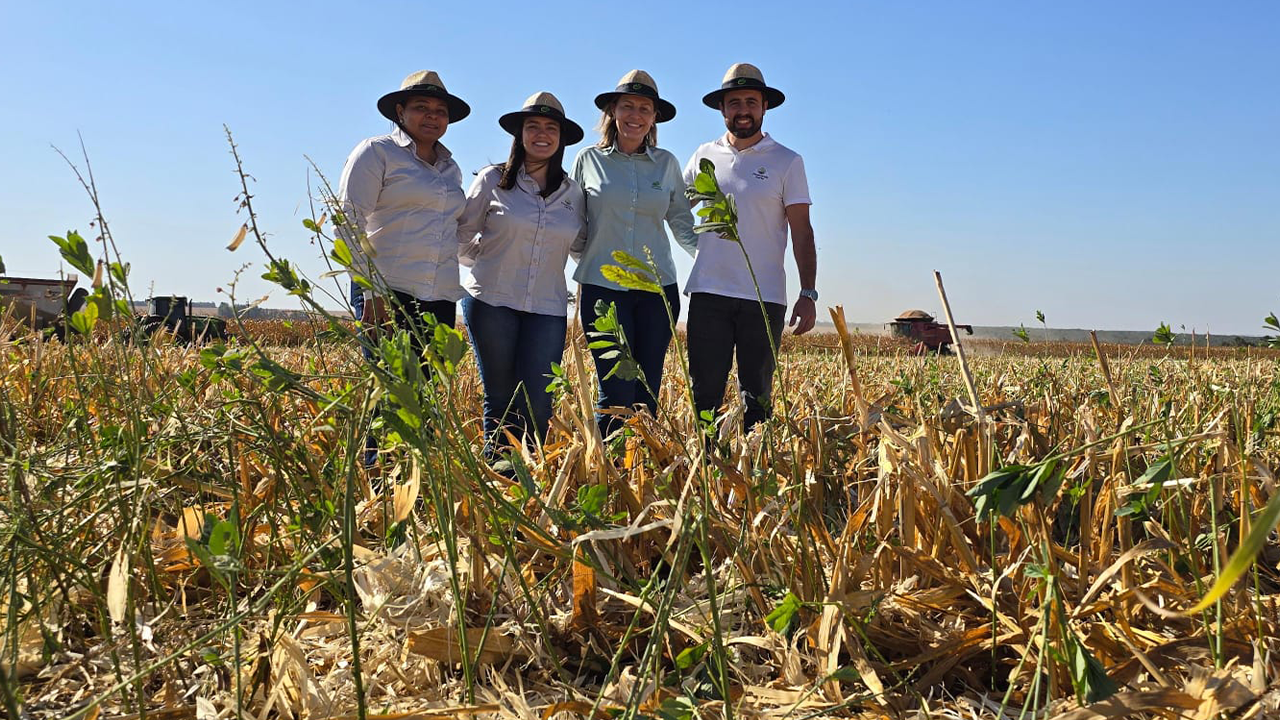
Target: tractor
[
  {"x": 926, "y": 334},
  {"x": 171, "y": 315}
]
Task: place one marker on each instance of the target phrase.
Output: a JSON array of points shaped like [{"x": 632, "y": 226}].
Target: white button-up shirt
[
  {"x": 517, "y": 242},
  {"x": 408, "y": 210}
]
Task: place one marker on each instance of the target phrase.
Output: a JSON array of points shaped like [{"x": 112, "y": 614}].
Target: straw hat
[
  {"x": 423, "y": 82},
  {"x": 543, "y": 104},
  {"x": 744, "y": 76},
  {"x": 639, "y": 82}
]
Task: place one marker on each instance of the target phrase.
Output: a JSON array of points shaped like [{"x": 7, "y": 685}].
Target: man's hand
[{"x": 803, "y": 316}]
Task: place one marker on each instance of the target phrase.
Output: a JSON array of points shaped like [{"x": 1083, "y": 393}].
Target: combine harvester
[
  {"x": 41, "y": 303},
  {"x": 919, "y": 327}
]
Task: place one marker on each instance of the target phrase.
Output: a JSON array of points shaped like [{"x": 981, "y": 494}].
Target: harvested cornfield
[{"x": 191, "y": 533}]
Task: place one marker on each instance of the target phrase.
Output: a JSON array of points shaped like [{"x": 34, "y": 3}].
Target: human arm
[
  {"x": 358, "y": 193},
  {"x": 679, "y": 210},
  {"x": 805, "y": 313},
  {"x": 580, "y": 204},
  {"x": 474, "y": 214},
  {"x": 580, "y": 242}
]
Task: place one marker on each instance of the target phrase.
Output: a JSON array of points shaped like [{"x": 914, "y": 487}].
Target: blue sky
[{"x": 1114, "y": 165}]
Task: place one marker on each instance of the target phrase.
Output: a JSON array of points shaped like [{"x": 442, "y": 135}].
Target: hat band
[
  {"x": 637, "y": 89},
  {"x": 543, "y": 110},
  {"x": 428, "y": 87},
  {"x": 747, "y": 83}
]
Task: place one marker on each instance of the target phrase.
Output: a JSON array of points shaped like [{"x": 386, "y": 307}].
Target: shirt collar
[
  {"x": 402, "y": 139},
  {"x": 765, "y": 143},
  {"x": 648, "y": 150},
  {"x": 527, "y": 183}
]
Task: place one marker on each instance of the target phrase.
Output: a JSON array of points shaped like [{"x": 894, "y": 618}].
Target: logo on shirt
[
  {"x": 568, "y": 204},
  {"x": 761, "y": 173},
  {"x": 657, "y": 185}
]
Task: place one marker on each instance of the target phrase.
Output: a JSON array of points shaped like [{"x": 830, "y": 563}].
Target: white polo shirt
[{"x": 763, "y": 180}]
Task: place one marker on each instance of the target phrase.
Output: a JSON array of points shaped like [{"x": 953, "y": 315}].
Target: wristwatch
[{"x": 809, "y": 293}]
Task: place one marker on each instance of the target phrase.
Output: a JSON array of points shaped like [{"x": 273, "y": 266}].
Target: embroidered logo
[
  {"x": 761, "y": 173},
  {"x": 568, "y": 205},
  {"x": 657, "y": 185}
]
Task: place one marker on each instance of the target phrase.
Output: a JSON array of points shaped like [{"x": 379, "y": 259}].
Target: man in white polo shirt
[{"x": 768, "y": 184}]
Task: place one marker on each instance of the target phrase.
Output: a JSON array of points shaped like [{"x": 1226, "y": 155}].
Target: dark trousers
[
  {"x": 406, "y": 311},
  {"x": 716, "y": 326},
  {"x": 644, "y": 321},
  {"x": 514, "y": 352}
]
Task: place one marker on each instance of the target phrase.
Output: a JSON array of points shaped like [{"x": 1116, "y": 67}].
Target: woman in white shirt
[
  {"x": 401, "y": 195},
  {"x": 520, "y": 219}
]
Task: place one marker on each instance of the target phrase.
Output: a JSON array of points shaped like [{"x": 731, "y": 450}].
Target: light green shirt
[{"x": 628, "y": 197}]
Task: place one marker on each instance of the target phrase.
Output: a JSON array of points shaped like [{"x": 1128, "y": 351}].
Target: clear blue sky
[{"x": 1113, "y": 164}]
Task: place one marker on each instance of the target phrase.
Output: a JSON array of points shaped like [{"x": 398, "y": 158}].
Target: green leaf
[
  {"x": 83, "y": 320},
  {"x": 706, "y": 167},
  {"x": 341, "y": 254},
  {"x": 591, "y": 499},
  {"x": 706, "y": 183},
  {"x": 631, "y": 279},
  {"x": 224, "y": 539},
  {"x": 2, "y": 270},
  {"x": 626, "y": 259},
  {"x": 75, "y": 251},
  {"x": 1261, "y": 529},
  {"x": 1021, "y": 333},
  {"x": 692, "y": 655},
  {"x": 1040, "y": 317},
  {"x": 1164, "y": 335},
  {"x": 448, "y": 347},
  {"x": 784, "y": 614}
]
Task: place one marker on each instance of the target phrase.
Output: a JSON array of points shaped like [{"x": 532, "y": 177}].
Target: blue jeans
[
  {"x": 644, "y": 321},
  {"x": 514, "y": 352}
]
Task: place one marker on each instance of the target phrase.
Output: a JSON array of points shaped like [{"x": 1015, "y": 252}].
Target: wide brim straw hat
[
  {"x": 543, "y": 104},
  {"x": 744, "y": 76},
  {"x": 639, "y": 82},
  {"x": 426, "y": 83}
]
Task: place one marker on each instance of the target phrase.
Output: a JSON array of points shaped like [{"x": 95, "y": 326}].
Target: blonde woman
[{"x": 632, "y": 187}]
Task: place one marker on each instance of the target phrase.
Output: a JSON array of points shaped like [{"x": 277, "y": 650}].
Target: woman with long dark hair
[
  {"x": 520, "y": 220},
  {"x": 632, "y": 186}
]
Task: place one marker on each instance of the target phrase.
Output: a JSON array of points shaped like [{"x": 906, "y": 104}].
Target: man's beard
[{"x": 742, "y": 132}]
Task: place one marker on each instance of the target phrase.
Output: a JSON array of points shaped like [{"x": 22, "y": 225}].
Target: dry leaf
[
  {"x": 239, "y": 238},
  {"x": 441, "y": 644},
  {"x": 118, "y": 586}
]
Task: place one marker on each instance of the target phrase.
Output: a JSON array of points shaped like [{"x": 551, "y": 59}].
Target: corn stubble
[{"x": 174, "y": 535}]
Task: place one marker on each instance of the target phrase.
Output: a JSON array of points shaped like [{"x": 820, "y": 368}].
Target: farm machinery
[
  {"x": 46, "y": 305},
  {"x": 43, "y": 304},
  {"x": 928, "y": 335},
  {"x": 171, "y": 315}
]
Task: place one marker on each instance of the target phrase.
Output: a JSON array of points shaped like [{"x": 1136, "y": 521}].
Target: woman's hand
[{"x": 375, "y": 317}]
